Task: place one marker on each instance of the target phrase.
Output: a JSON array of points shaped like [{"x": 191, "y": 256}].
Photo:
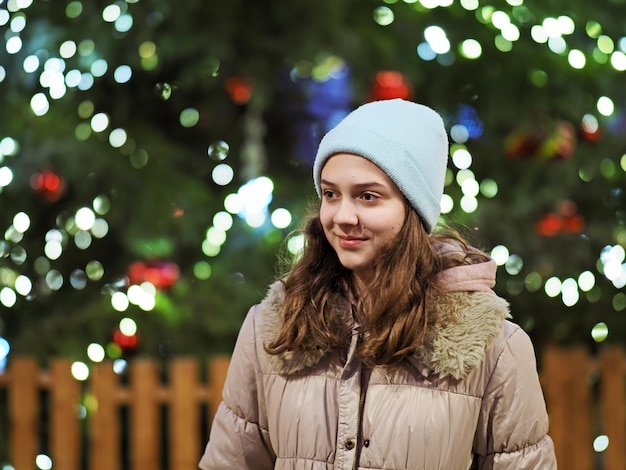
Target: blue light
[{"x": 468, "y": 117}]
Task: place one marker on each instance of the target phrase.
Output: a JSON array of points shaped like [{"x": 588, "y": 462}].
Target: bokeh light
[
  {"x": 80, "y": 371},
  {"x": 96, "y": 352},
  {"x": 218, "y": 150},
  {"x": 43, "y": 462},
  {"x": 599, "y": 332},
  {"x": 601, "y": 443},
  {"x": 222, "y": 174},
  {"x": 281, "y": 218},
  {"x": 128, "y": 326}
]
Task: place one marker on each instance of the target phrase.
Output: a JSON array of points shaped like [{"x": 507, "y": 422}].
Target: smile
[{"x": 347, "y": 242}]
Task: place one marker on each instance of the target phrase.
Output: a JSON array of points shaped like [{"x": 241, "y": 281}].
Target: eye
[
  {"x": 369, "y": 196},
  {"x": 328, "y": 194}
]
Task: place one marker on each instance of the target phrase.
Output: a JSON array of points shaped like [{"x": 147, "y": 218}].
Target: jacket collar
[{"x": 466, "y": 324}]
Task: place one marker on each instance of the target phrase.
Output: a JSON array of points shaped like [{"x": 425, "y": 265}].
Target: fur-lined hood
[{"x": 467, "y": 322}]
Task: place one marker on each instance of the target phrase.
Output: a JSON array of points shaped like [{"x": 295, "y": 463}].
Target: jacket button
[
  {"x": 349, "y": 444},
  {"x": 366, "y": 442}
]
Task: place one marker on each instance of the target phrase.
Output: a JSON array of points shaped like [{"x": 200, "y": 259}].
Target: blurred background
[{"x": 155, "y": 158}]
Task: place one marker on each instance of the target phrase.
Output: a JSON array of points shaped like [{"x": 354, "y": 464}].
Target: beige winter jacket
[{"x": 468, "y": 399}]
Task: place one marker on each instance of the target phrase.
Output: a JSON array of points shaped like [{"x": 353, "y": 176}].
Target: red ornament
[
  {"x": 574, "y": 224},
  {"x": 161, "y": 274},
  {"x": 389, "y": 84},
  {"x": 48, "y": 184},
  {"x": 239, "y": 89},
  {"x": 549, "y": 225},
  {"x": 127, "y": 343},
  {"x": 565, "y": 221}
]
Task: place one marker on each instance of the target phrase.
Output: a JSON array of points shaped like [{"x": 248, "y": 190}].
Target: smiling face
[{"x": 362, "y": 210}]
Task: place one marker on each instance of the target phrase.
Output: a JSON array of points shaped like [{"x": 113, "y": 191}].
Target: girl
[{"x": 384, "y": 347}]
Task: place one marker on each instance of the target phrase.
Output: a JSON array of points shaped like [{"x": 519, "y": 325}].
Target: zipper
[{"x": 364, "y": 379}]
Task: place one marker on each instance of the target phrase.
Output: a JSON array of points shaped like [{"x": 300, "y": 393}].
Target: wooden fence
[
  {"x": 154, "y": 421},
  {"x": 159, "y": 419},
  {"x": 586, "y": 398}
]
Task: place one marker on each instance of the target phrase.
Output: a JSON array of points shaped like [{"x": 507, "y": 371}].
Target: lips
[{"x": 350, "y": 242}]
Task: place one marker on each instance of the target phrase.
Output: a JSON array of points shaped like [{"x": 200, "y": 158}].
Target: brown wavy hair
[{"x": 393, "y": 314}]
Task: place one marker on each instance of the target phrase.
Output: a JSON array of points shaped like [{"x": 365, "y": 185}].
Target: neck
[{"x": 359, "y": 284}]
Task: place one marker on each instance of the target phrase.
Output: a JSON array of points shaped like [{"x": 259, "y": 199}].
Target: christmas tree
[{"x": 155, "y": 157}]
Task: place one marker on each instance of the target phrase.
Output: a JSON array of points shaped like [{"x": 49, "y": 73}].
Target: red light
[
  {"x": 239, "y": 89},
  {"x": 389, "y": 84}
]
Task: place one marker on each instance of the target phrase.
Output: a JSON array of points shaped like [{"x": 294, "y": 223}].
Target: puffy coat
[{"x": 469, "y": 398}]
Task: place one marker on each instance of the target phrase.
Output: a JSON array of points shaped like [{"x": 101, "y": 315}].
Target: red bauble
[
  {"x": 127, "y": 343},
  {"x": 574, "y": 224},
  {"x": 549, "y": 225},
  {"x": 389, "y": 84},
  {"x": 161, "y": 274},
  {"x": 48, "y": 184},
  {"x": 566, "y": 220},
  {"x": 239, "y": 89}
]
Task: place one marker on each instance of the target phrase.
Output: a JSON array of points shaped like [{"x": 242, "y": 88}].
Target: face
[{"x": 362, "y": 210}]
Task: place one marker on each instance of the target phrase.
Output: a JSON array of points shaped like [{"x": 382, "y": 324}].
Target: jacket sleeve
[
  {"x": 238, "y": 437},
  {"x": 512, "y": 432}
]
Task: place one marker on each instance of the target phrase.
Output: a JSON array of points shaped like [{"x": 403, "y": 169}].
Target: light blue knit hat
[{"x": 408, "y": 141}]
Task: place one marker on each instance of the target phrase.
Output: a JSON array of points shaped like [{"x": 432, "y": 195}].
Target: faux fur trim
[{"x": 467, "y": 324}]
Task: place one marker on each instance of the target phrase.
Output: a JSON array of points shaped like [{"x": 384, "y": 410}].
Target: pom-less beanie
[{"x": 408, "y": 141}]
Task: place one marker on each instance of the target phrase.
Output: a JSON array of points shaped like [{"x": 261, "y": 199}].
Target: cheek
[
  {"x": 325, "y": 215},
  {"x": 324, "y": 220},
  {"x": 397, "y": 224}
]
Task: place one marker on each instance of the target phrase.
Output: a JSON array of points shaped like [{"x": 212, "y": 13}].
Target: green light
[
  {"x": 470, "y": 49},
  {"x": 593, "y": 29},
  {"x": 607, "y": 168},
  {"x": 599, "y": 56},
  {"x": 202, "y": 270},
  {"x": 503, "y": 45},
  {"x": 599, "y": 332},
  {"x": 73, "y": 9},
  {"x": 189, "y": 117},
  {"x": 383, "y": 16},
  {"x": 539, "y": 78},
  {"x": 606, "y": 44},
  {"x": 484, "y": 14},
  {"x": 533, "y": 282},
  {"x": 619, "y": 302},
  {"x": 489, "y": 188}
]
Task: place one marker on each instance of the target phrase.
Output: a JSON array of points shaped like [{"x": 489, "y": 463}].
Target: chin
[{"x": 354, "y": 266}]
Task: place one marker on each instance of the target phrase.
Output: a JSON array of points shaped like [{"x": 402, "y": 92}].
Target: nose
[{"x": 346, "y": 213}]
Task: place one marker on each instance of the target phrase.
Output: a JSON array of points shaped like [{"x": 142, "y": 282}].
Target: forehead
[{"x": 347, "y": 164}]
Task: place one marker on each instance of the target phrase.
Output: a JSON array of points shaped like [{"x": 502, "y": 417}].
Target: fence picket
[
  {"x": 184, "y": 418},
  {"x": 104, "y": 450},
  {"x": 144, "y": 412},
  {"x": 613, "y": 406},
  {"x": 23, "y": 412},
  {"x": 64, "y": 433},
  {"x": 566, "y": 387}
]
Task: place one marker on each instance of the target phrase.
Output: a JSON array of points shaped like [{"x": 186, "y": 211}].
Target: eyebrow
[{"x": 367, "y": 184}]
